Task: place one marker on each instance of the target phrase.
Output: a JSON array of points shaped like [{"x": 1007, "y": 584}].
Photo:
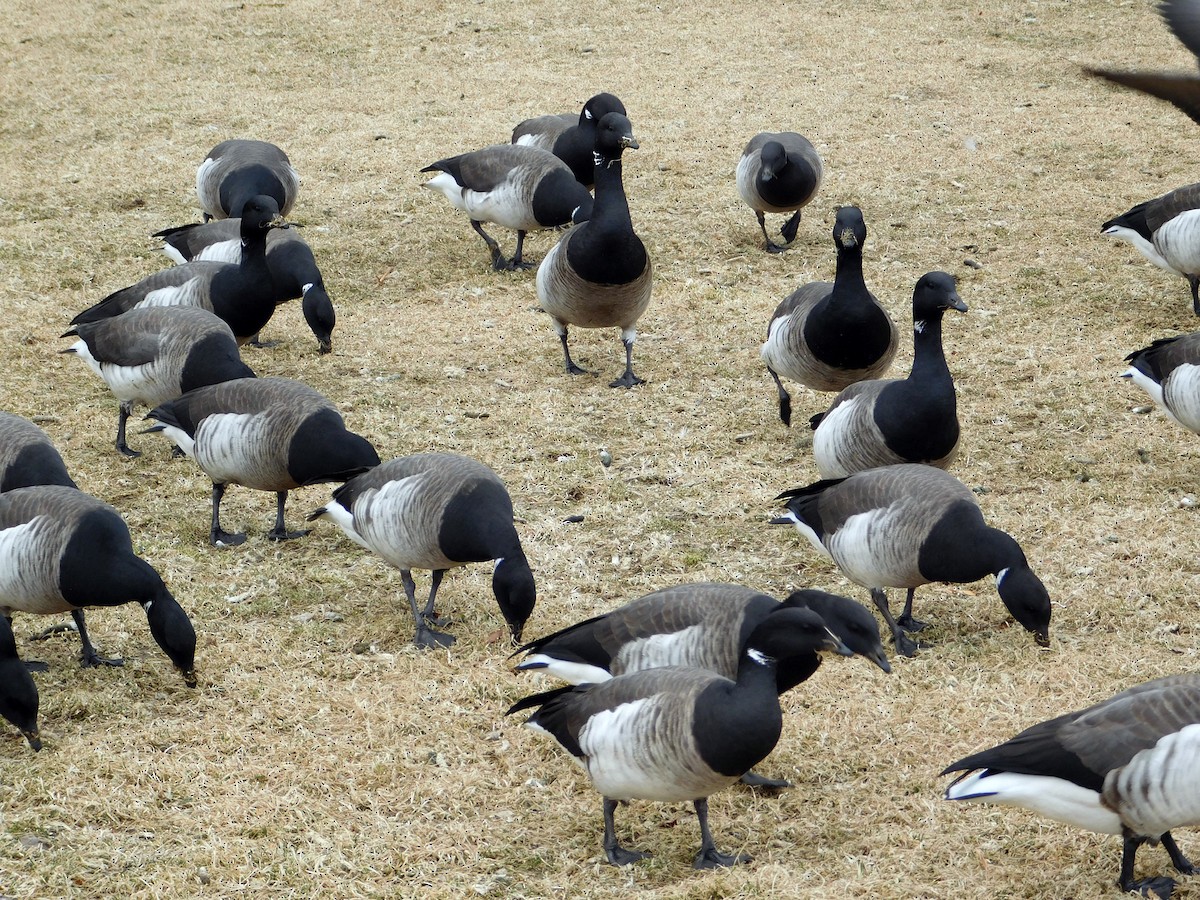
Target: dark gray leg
[
  {"x": 785, "y": 400},
  {"x": 617, "y": 855},
  {"x": 280, "y": 532},
  {"x": 1194, "y": 282},
  {"x": 771, "y": 247},
  {"x": 1178, "y": 860},
  {"x": 518, "y": 262},
  {"x": 1159, "y": 887},
  {"x": 423, "y": 636},
  {"x": 124, "y": 410},
  {"x": 216, "y": 536},
  {"x": 572, "y": 369},
  {"x": 499, "y": 263},
  {"x": 906, "y": 620},
  {"x": 88, "y": 656},
  {"x": 905, "y": 645},
  {"x": 709, "y": 857},
  {"x": 628, "y": 379}
]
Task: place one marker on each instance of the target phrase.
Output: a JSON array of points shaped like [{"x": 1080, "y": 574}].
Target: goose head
[{"x": 849, "y": 228}]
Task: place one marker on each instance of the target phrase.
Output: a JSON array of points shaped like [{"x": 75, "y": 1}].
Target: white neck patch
[
  {"x": 1000, "y": 575},
  {"x": 758, "y": 657},
  {"x": 919, "y": 326}
]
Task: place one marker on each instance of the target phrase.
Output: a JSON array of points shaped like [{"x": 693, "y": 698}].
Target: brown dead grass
[{"x": 321, "y": 755}]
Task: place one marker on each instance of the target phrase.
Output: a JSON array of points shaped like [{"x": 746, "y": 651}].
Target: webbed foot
[
  {"x": 221, "y": 538},
  {"x": 620, "y": 856},
  {"x": 285, "y": 535},
  {"x": 427, "y": 639},
  {"x": 713, "y": 858},
  {"x": 753, "y": 779}
]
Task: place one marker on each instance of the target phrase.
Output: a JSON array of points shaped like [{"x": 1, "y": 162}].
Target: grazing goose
[
  {"x": 269, "y": 434},
  {"x": 1179, "y": 88},
  {"x": 1169, "y": 371},
  {"x": 235, "y": 171},
  {"x": 599, "y": 274},
  {"x": 779, "y": 173},
  {"x": 289, "y": 258},
  {"x": 62, "y": 550},
  {"x": 828, "y": 336},
  {"x": 522, "y": 188},
  {"x": 18, "y": 693},
  {"x": 1166, "y": 230},
  {"x": 27, "y": 456},
  {"x": 1125, "y": 766},
  {"x": 702, "y": 626},
  {"x": 153, "y": 354},
  {"x": 908, "y": 525},
  {"x": 677, "y": 733},
  {"x": 569, "y": 137},
  {"x": 437, "y": 511},
  {"x": 243, "y": 294},
  {"x": 914, "y": 419}
]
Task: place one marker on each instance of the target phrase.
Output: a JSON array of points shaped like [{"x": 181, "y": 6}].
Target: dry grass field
[{"x": 321, "y": 755}]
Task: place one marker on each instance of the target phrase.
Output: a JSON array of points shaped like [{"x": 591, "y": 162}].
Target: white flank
[
  {"x": 570, "y": 672},
  {"x": 1178, "y": 242},
  {"x": 190, "y": 293},
  {"x": 223, "y": 251},
  {"x": 240, "y": 448},
  {"x": 444, "y": 184},
  {"x": 1054, "y": 798},
  {"x": 29, "y": 568},
  {"x": 505, "y": 204},
  {"x": 774, "y": 349},
  {"x": 831, "y": 435},
  {"x": 629, "y": 753},
  {"x": 677, "y": 648},
  {"x": 872, "y": 549},
  {"x": 1181, "y": 395},
  {"x": 1159, "y": 789},
  {"x": 396, "y": 522}
]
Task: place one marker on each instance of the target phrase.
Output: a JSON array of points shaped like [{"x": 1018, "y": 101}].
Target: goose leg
[
  {"x": 906, "y": 620},
  {"x": 1178, "y": 860},
  {"x": 572, "y": 369},
  {"x": 1194, "y": 283},
  {"x": 1159, "y": 887},
  {"x": 905, "y": 645},
  {"x": 771, "y": 247},
  {"x": 499, "y": 263},
  {"x": 753, "y": 779},
  {"x": 709, "y": 857},
  {"x": 216, "y": 536},
  {"x": 423, "y": 636},
  {"x": 517, "y": 262},
  {"x": 785, "y": 400},
  {"x": 430, "y": 613},
  {"x": 617, "y": 855},
  {"x": 627, "y": 379},
  {"x": 124, "y": 410},
  {"x": 280, "y": 532},
  {"x": 788, "y": 231},
  {"x": 88, "y": 656}
]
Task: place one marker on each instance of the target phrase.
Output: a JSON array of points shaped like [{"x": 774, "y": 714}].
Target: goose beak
[
  {"x": 35, "y": 740},
  {"x": 834, "y": 643},
  {"x": 848, "y": 238},
  {"x": 189, "y": 677},
  {"x": 629, "y": 142},
  {"x": 278, "y": 222},
  {"x": 882, "y": 661},
  {"x": 782, "y": 520},
  {"x": 1042, "y": 638},
  {"x": 955, "y": 302}
]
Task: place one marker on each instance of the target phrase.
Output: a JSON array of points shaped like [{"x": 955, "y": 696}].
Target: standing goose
[
  {"x": 908, "y": 525},
  {"x": 1169, "y": 371},
  {"x": 437, "y": 511},
  {"x": 779, "y": 173},
  {"x": 153, "y": 354},
  {"x": 599, "y": 274},
  {"x": 28, "y": 456},
  {"x": 236, "y": 171},
  {"x": 675, "y": 733},
  {"x": 1126, "y": 766},
  {"x": 522, "y": 188},
  {"x": 18, "y": 693},
  {"x": 269, "y": 434},
  {"x": 289, "y": 258},
  {"x": 1166, "y": 230},
  {"x": 243, "y": 294},
  {"x": 569, "y": 137},
  {"x": 828, "y": 336},
  {"x": 62, "y": 550},
  {"x": 914, "y": 419},
  {"x": 1182, "y": 89}
]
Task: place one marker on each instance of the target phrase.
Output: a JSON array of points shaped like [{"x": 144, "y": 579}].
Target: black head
[
  {"x": 614, "y": 134},
  {"x": 516, "y": 594},
  {"x": 852, "y": 622},
  {"x": 321, "y": 449},
  {"x": 599, "y": 106},
  {"x": 849, "y": 228},
  {"x": 935, "y": 293},
  {"x": 1027, "y": 599},
  {"x": 793, "y": 632},
  {"x": 773, "y": 157},
  {"x": 319, "y": 314},
  {"x": 259, "y": 215},
  {"x": 173, "y": 631}
]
